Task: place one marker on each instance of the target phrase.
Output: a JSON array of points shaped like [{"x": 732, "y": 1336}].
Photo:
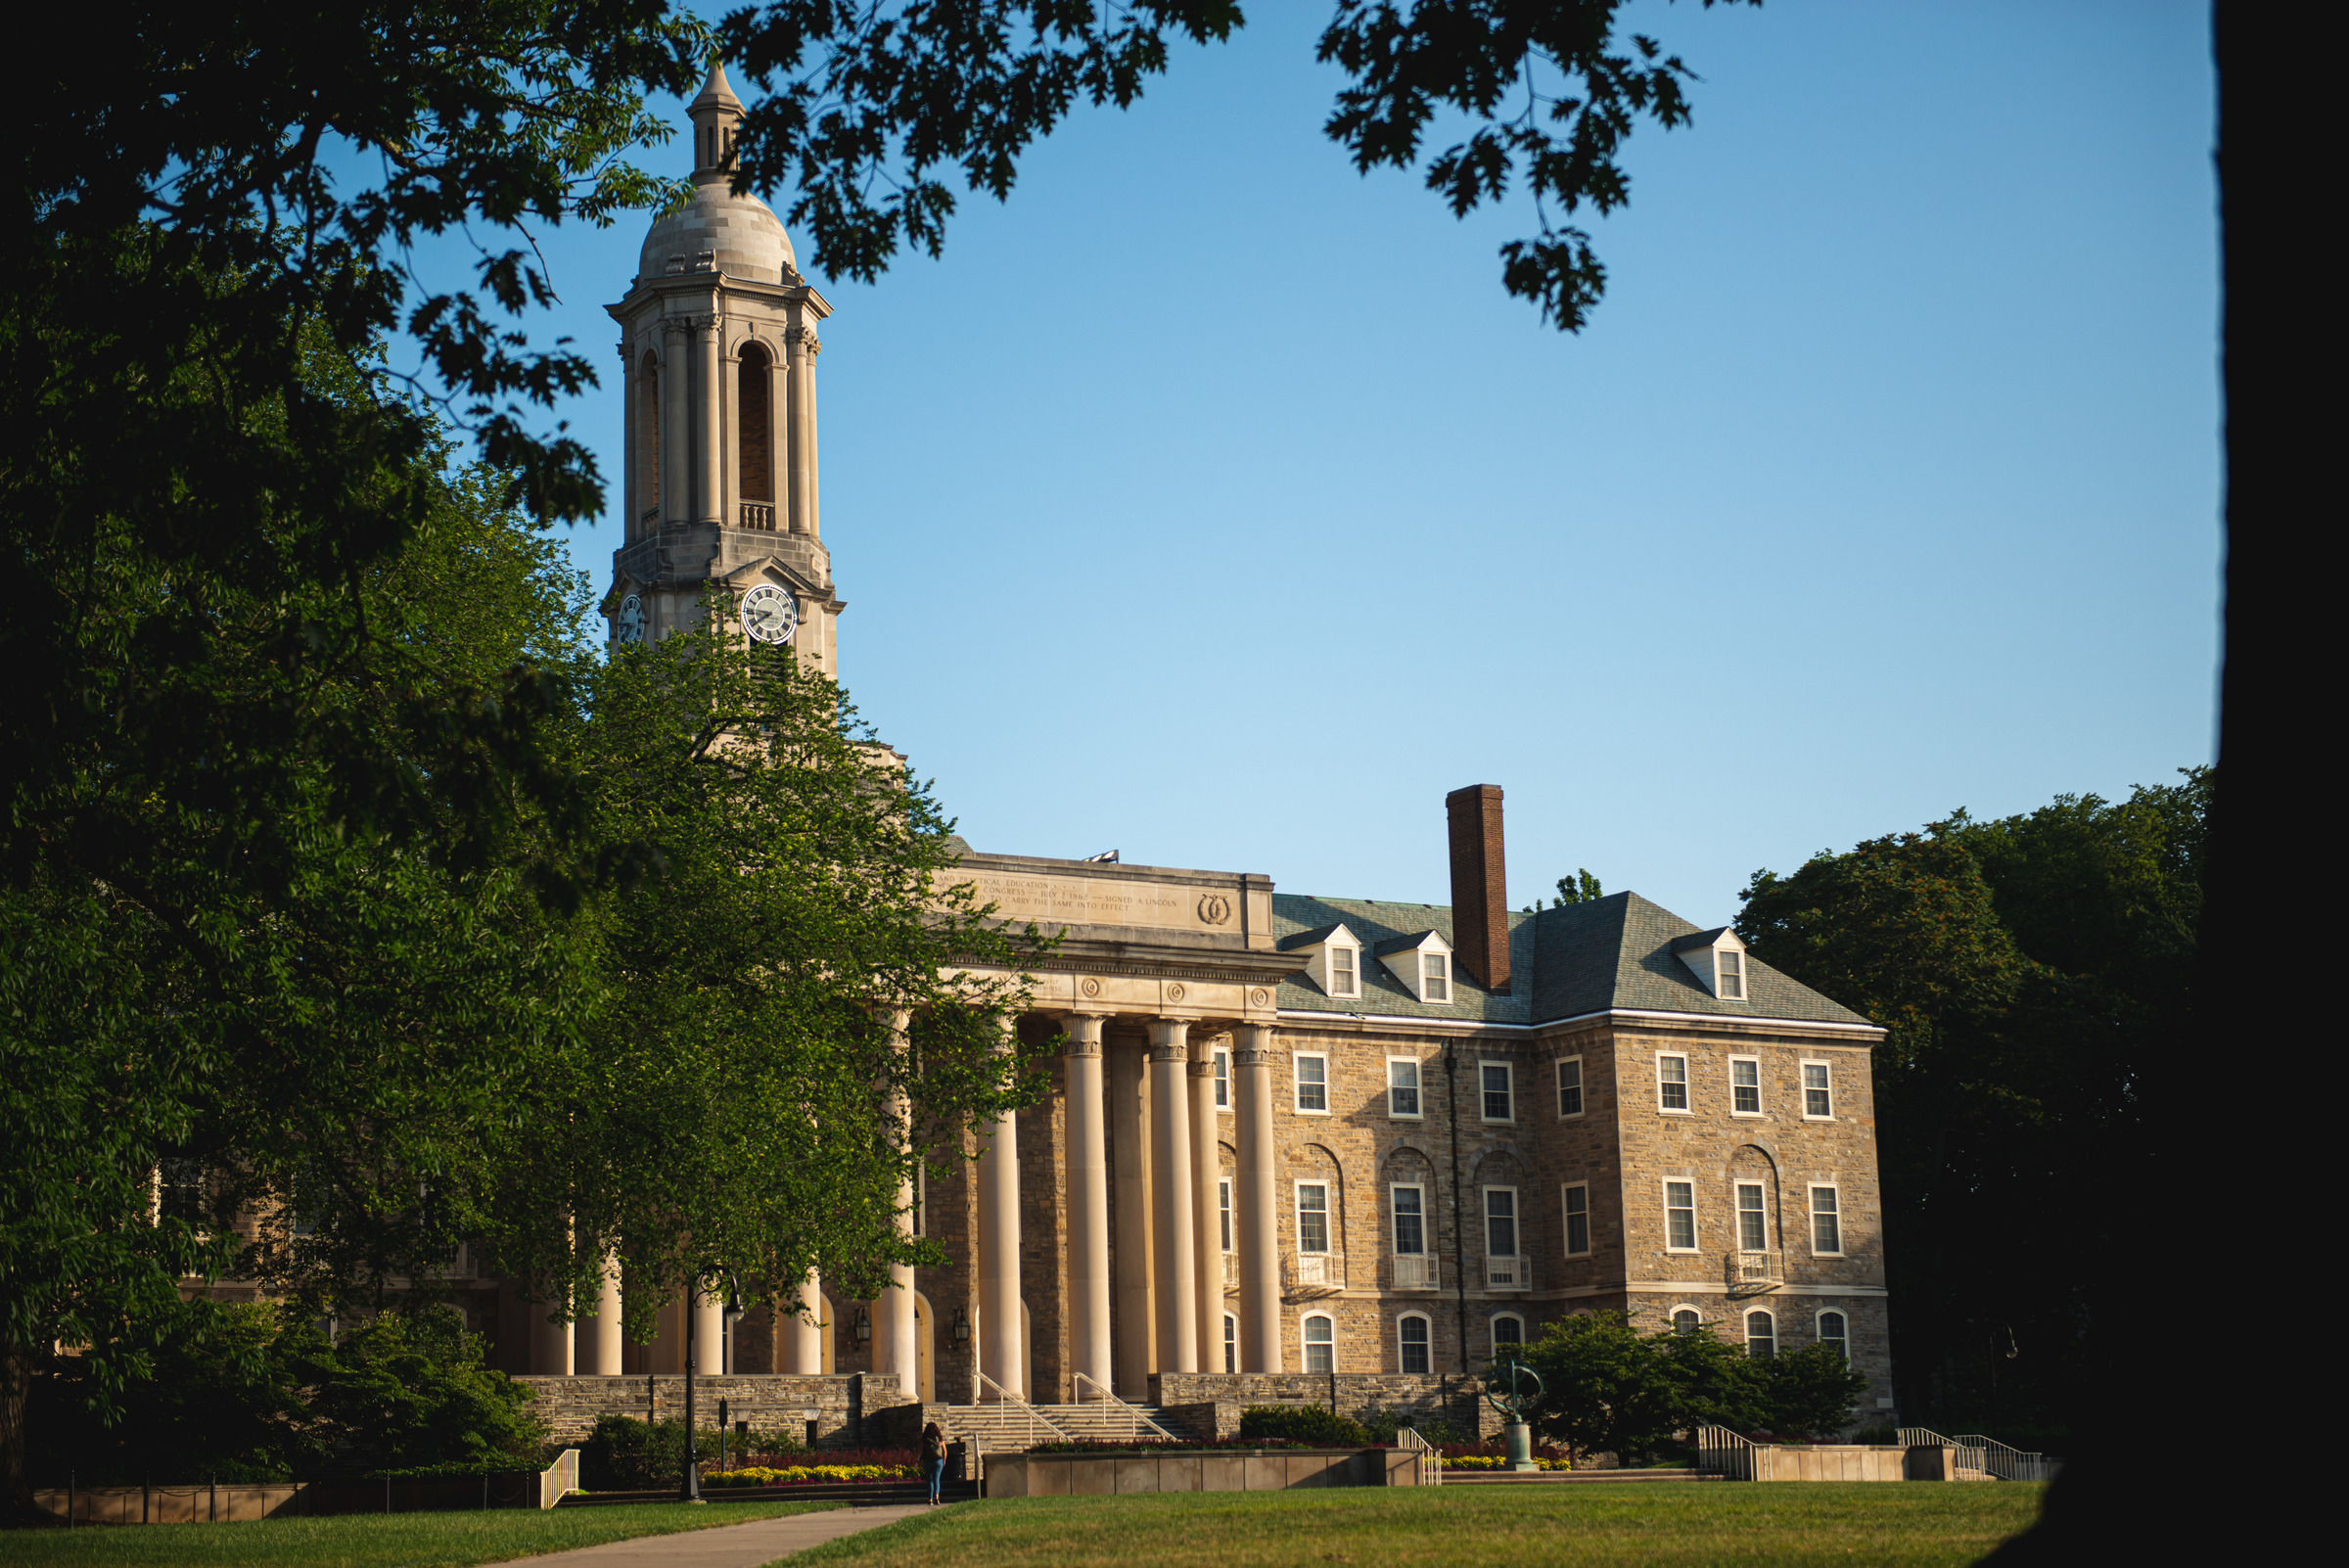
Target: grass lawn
[
  {"x": 1649, "y": 1524},
  {"x": 374, "y": 1539}
]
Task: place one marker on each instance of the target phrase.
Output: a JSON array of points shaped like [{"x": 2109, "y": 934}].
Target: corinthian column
[
  {"x": 1088, "y": 1204},
  {"x": 1206, "y": 1230},
  {"x": 1170, "y": 1180},
  {"x": 799, "y": 1339},
  {"x": 599, "y": 1350},
  {"x": 709, "y": 429},
  {"x": 1001, "y": 1349},
  {"x": 804, "y": 350},
  {"x": 893, "y": 1327},
  {"x": 676, "y": 424},
  {"x": 1128, "y": 1070},
  {"x": 1258, "y": 1215}
]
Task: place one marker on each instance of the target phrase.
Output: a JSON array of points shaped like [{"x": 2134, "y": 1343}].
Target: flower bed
[
  {"x": 1501, "y": 1461},
  {"x": 1495, "y": 1456},
  {"x": 810, "y": 1475},
  {"x": 1167, "y": 1445}
]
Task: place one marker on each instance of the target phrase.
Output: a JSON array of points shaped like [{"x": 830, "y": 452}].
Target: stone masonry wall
[{"x": 572, "y": 1406}]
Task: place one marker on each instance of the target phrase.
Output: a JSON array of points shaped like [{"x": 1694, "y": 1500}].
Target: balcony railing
[
  {"x": 1508, "y": 1273},
  {"x": 758, "y": 515},
  {"x": 1319, "y": 1270},
  {"x": 1417, "y": 1270},
  {"x": 1755, "y": 1271}
]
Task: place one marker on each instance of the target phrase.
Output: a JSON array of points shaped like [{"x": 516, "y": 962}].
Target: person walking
[{"x": 933, "y": 1458}]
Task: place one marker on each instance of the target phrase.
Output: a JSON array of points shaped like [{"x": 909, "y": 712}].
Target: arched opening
[
  {"x": 1508, "y": 1334},
  {"x": 924, "y": 1324},
  {"x": 754, "y": 437},
  {"x": 1761, "y": 1335},
  {"x": 1412, "y": 1350},
  {"x": 1320, "y": 1341},
  {"x": 648, "y": 442},
  {"x": 1835, "y": 1332}
]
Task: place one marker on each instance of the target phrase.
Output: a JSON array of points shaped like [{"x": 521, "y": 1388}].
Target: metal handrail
[
  {"x": 1134, "y": 1411},
  {"x": 1431, "y": 1457},
  {"x": 2007, "y": 1463},
  {"x": 1722, "y": 1452},
  {"x": 1004, "y": 1400}
]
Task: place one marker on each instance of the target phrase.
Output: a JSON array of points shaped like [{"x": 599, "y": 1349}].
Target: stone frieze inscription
[{"x": 1053, "y": 902}]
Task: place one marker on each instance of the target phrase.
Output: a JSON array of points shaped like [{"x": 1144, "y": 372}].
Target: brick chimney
[{"x": 1480, "y": 903}]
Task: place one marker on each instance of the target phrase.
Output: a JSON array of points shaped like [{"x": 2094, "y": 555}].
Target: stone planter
[{"x": 1104, "y": 1475}]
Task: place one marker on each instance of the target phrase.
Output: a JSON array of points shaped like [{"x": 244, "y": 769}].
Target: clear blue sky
[{"x": 1212, "y": 503}]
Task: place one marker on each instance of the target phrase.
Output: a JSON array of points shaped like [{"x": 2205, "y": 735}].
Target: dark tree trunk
[{"x": 2154, "y": 1372}]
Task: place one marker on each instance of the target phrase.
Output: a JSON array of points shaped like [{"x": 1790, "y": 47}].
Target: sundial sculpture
[{"x": 1511, "y": 1402}]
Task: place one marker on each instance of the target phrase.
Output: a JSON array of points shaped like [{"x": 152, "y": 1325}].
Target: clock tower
[{"x": 718, "y": 345}]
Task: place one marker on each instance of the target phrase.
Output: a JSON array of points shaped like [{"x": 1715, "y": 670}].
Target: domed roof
[
  {"x": 742, "y": 234},
  {"x": 746, "y": 237}
]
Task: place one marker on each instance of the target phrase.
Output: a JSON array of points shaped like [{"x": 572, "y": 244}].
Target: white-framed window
[
  {"x": 1403, "y": 1087},
  {"x": 1344, "y": 970},
  {"x": 1836, "y": 1330},
  {"x": 1574, "y": 1201},
  {"x": 1728, "y": 973},
  {"x": 1508, "y": 1332},
  {"x": 1671, "y": 1082},
  {"x": 1496, "y": 1083},
  {"x": 1436, "y": 967},
  {"x": 1231, "y": 1343},
  {"x": 1408, "y": 1204},
  {"x": 1827, "y": 1222},
  {"x": 179, "y": 1191},
  {"x": 1312, "y": 1070},
  {"x": 1745, "y": 1086},
  {"x": 1223, "y": 1081},
  {"x": 1501, "y": 1222},
  {"x": 1761, "y": 1334},
  {"x": 1223, "y": 1208},
  {"x": 1679, "y": 1216},
  {"x": 1570, "y": 1087},
  {"x": 1685, "y": 1319},
  {"x": 1753, "y": 1220},
  {"x": 1819, "y": 1092},
  {"x": 1313, "y": 1217},
  {"x": 1319, "y": 1337},
  {"x": 1412, "y": 1350}
]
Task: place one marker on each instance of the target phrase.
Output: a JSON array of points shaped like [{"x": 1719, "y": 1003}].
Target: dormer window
[
  {"x": 1334, "y": 957},
  {"x": 1717, "y": 960},
  {"x": 1345, "y": 971},
  {"x": 1423, "y": 962}
]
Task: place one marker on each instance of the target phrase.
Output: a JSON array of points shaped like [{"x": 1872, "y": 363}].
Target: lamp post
[{"x": 691, "y": 1491}]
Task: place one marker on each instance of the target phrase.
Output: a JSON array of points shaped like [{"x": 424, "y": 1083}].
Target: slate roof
[{"x": 1564, "y": 962}]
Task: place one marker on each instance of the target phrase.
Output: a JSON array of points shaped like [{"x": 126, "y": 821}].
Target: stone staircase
[{"x": 998, "y": 1428}]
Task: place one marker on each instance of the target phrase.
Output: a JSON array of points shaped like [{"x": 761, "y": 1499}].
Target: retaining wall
[{"x": 1099, "y": 1475}]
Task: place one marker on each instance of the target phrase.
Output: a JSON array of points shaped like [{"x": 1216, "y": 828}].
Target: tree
[
  {"x": 866, "y": 99},
  {"x": 2025, "y": 969},
  {"x": 1610, "y": 1389},
  {"x": 1810, "y": 1392}
]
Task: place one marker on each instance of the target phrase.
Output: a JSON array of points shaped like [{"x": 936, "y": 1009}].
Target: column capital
[
  {"x": 1084, "y": 1030},
  {"x": 1169, "y": 1039},
  {"x": 1253, "y": 1056}
]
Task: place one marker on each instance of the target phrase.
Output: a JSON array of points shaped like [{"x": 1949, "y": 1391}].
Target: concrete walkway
[{"x": 742, "y": 1546}]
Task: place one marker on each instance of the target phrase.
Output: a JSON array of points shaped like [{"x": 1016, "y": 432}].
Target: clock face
[
  {"x": 769, "y": 614},
  {"x": 628, "y": 624}
]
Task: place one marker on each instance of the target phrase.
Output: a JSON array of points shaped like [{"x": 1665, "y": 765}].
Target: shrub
[
  {"x": 1810, "y": 1391},
  {"x": 1878, "y": 1435},
  {"x": 808, "y": 1475},
  {"x": 1308, "y": 1424},
  {"x": 625, "y": 1455},
  {"x": 1386, "y": 1428}
]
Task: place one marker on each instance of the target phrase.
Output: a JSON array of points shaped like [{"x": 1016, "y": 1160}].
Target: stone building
[{"x": 1286, "y": 1134}]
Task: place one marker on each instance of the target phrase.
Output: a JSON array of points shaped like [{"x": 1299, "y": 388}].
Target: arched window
[
  {"x": 1686, "y": 1320},
  {"x": 1761, "y": 1334},
  {"x": 1320, "y": 1344},
  {"x": 648, "y": 440},
  {"x": 1412, "y": 1347},
  {"x": 754, "y": 442},
  {"x": 1508, "y": 1332},
  {"x": 1231, "y": 1343},
  {"x": 1836, "y": 1330}
]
